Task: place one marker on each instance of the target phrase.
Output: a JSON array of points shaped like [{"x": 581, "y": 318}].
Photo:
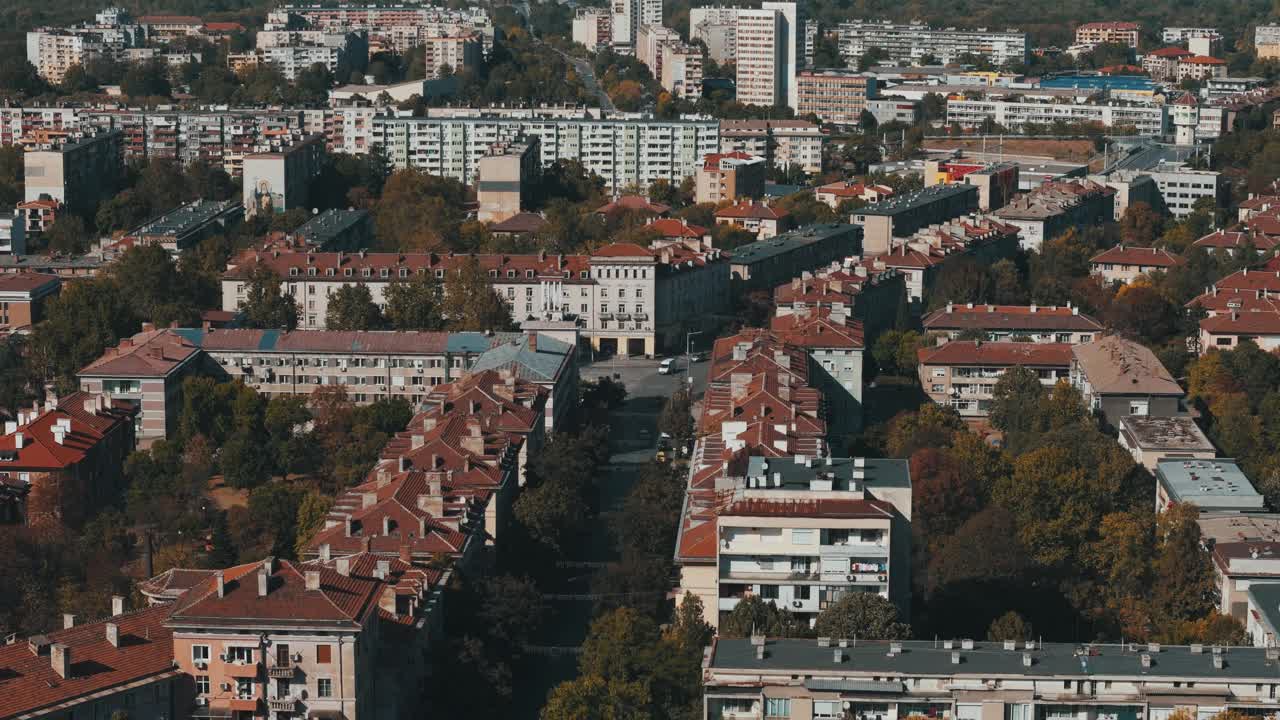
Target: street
[{"x": 630, "y": 449}]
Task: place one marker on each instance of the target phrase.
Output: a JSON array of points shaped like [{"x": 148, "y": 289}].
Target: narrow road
[
  {"x": 553, "y": 660},
  {"x": 588, "y": 75}
]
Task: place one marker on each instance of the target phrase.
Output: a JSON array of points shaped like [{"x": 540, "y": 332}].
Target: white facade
[
  {"x": 760, "y": 58},
  {"x": 1266, "y": 35},
  {"x": 623, "y": 152},
  {"x": 717, "y": 27},
  {"x": 907, "y": 43},
  {"x": 1181, "y": 186},
  {"x": 1150, "y": 120},
  {"x": 1175, "y": 35},
  {"x": 593, "y": 28}
]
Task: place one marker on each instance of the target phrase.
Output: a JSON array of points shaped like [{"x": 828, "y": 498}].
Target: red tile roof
[
  {"x": 1204, "y": 60},
  {"x": 151, "y": 353},
  {"x": 672, "y": 228},
  {"x": 751, "y": 209},
  {"x": 758, "y": 507},
  {"x": 1234, "y": 239},
  {"x": 1245, "y": 323},
  {"x": 26, "y": 282},
  {"x": 40, "y": 449},
  {"x": 28, "y": 683},
  {"x": 998, "y": 354},
  {"x": 818, "y": 330},
  {"x": 622, "y": 250},
  {"x": 1143, "y": 257},
  {"x": 633, "y": 202},
  {"x": 712, "y": 161},
  {"x": 1009, "y": 317},
  {"x": 1170, "y": 52},
  {"x": 224, "y": 27},
  {"x": 524, "y": 222},
  {"x": 1238, "y": 300}
]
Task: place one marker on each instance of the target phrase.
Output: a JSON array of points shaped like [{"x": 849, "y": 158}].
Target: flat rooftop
[
  {"x": 914, "y": 201},
  {"x": 1179, "y": 433},
  {"x": 845, "y": 474},
  {"x": 762, "y": 250},
  {"x": 186, "y": 218},
  {"x": 984, "y": 659},
  {"x": 1217, "y": 483},
  {"x": 329, "y": 224}
]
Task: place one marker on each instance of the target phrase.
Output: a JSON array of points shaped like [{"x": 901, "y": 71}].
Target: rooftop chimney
[
  {"x": 324, "y": 552},
  {"x": 221, "y": 583},
  {"x": 382, "y": 569},
  {"x": 117, "y": 605},
  {"x": 313, "y": 579},
  {"x": 343, "y": 566},
  {"x": 387, "y": 600},
  {"x": 113, "y": 634},
  {"x": 368, "y": 499},
  {"x": 68, "y": 621},
  {"x": 60, "y": 659},
  {"x": 263, "y": 580}
]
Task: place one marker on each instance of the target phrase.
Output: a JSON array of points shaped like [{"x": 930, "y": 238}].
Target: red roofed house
[
  {"x": 345, "y": 637},
  {"x": 165, "y": 28},
  {"x": 1124, "y": 33},
  {"x": 22, "y": 299},
  {"x": 1233, "y": 242},
  {"x": 636, "y": 204},
  {"x": 1027, "y": 323},
  {"x": 146, "y": 371},
  {"x": 835, "y": 343},
  {"x": 1162, "y": 64},
  {"x": 843, "y": 190},
  {"x": 729, "y": 176},
  {"x": 121, "y": 664},
  {"x": 1227, "y": 330},
  {"x": 61, "y": 461},
  {"x": 1201, "y": 67},
  {"x": 672, "y": 230},
  {"x": 962, "y": 374},
  {"x": 1126, "y": 264},
  {"x": 757, "y": 217}
]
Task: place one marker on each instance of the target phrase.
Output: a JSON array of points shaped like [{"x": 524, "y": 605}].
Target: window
[
  {"x": 202, "y": 684},
  {"x": 200, "y": 653},
  {"x": 1138, "y": 407},
  {"x": 769, "y": 592},
  {"x": 802, "y": 592},
  {"x": 244, "y": 688},
  {"x": 324, "y": 653},
  {"x": 240, "y": 655},
  {"x": 777, "y": 707},
  {"x": 827, "y": 709},
  {"x": 806, "y": 536},
  {"x": 324, "y": 687}
]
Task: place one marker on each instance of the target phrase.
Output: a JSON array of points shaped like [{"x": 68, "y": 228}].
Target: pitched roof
[
  {"x": 172, "y": 583},
  {"x": 1117, "y": 366},
  {"x": 1203, "y": 60},
  {"x": 819, "y": 330},
  {"x": 522, "y": 222},
  {"x": 1246, "y": 323},
  {"x": 670, "y": 227},
  {"x": 1009, "y": 318},
  {"x": 287, "y": 262},
  {"x": 150, "y": 353},
  {"x": 26, "y": 281},
  {"x": 622, "y": 250},
  {"x": 633, "y": 202},
  {"x": 976, "y": 352},
  {"x": 541, "y": 360},
  {"x": 80, "y": 428},
  {"x": 752, "y": 209},
  {"x": 29, "y": 684},
  {"x": 1144, "y": 257},
  {"x": 1233, "y": 239},
  {"x": 1170, "y": 52}
]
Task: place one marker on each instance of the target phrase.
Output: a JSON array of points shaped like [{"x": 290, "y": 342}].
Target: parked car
[
  {"x": 666, "y": 367},
  {"x": 698, "y": 357}
]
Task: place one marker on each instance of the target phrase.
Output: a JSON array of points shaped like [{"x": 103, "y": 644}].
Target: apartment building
[
  {"x": 962, "y": 374},
  {"x": 336, "y": 231},
  {"x": 851, "y": 288},
  {"x": 1125, "y": 264},
  {"x": 502, "y": 399},
  {"x": 1119, "y": 377},
  {"x": 649, "y": 40},
  {"x": 347, "y": 636},
  {"x": 1016, "y": 323},
  {"x": 1150, "y": 439},
  {"x": 906, "y": 44},
  {"x": 836, "y": 343},
  {"x": 1150, "y": 120},
  {"x": 1055, "y": 207},
  {"x": 761, "y": 57},
  {"x": 729, "y": 176},
  {"x": 835, "y": 96},
  {"x": 1201, "y": 68},
  {"x": 130, "y": 654},
  {"x": 1173, "y": 35},
  {"x": 52, "y": 52},
  {"x": 717, "y": 27},
  {"x": 593, "y": 28},
  {"x": 623, "y": 151},
  {"x": 681, "y": 69},
  {"x": 1122, "y": 33},
  {"x": 506, "y": 176},
  {"x": 544, "y": 361},
  {"x": 1179, "y": 185},
  {"x": 625, "y": 298},
  {"x": 782, "y": 142},
  {"x": 831, "y": 677},
  {"x": 185, "y": 226},
  {"x": 920, "y": 257},
  {"x": 769, "y": 263},
  {"x": 1162, "y": 64},
  {"x": 1225, "y": 331},
  {"x": 61, "y": 460},
  {"x": 276, "y": 182},
  {"x": 836, "y": 193},
  {"x": 394, "y": 27},
  {"x": 1212, "y": 485},
  {"x": 76, "y": 173},
  {"x": 23, "y": 298},
  {"x": 997, "y": 183},
  {"x": 1266, "y": 41},
  {"x": 754, "y": 216},
  {"x": 903, "y": 215},
  {"x": 145, "y": 372}
]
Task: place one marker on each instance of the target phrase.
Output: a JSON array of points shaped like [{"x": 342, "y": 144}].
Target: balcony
[
  {"x": 284, "y": 704},
  {"x": 283, "y": 671},
  {"x": 853, "y": 549},
  {"x": 244, "y": 704},
  {"x": 241, "y": 670}
]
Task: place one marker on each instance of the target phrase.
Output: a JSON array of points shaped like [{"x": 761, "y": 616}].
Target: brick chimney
[
  {"x": 533, "y": 342},
  {"x": 60, "y": 659}
]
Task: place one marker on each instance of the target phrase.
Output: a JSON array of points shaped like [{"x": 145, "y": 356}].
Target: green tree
[
  {"x": 352, "y": 308},
  {"x": 155, "y": 287},
  {"x": 1016, "y": 400},
  {"x": 1184, "y": 586},
  {"x": 266, "y": 305},
  {"x": 414, "y": 304},
  {"x": 861, "y": 615},
  {"x": 676, "y": 418},
  {"x": 1010, "y": 626},
  {"x": 68, "y": 235},
  {"x": 591, "y": 697},
  {"x": 931, "y": 425},
  {"x": 311, "y": 514},
  {"x": 689, "y": 629},
  {"x": 754, "y": 615},
  {"x": 146, "y": 79},
  {"x": 471, "y": 303},
  {"x": 245, "y": 461},
  {"x": 87, "y": 317}
]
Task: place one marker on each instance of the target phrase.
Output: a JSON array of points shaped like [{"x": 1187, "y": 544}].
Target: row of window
[{"x": 246, "y": 688}]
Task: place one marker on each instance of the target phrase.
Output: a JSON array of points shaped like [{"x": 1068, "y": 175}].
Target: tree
[
  {"x": 265, "y": 304},
  {"x": 591, "y": 697},
  {"x": 87, "y": 317},
  {"x": 67, "y": 235},
  {"x": 311, "y": 514},
  {"x": 861, "y": 615},
  {"x": 754, "y": 615},
  {"x": 944, "y": 492},
  {"x": 676, "y": 419},
  {"x": 471, "y": 303},
  {"x": 1009, "y": 626},
  {"x": 151, "y": 281},
  {"x": 1016, "y": 400},
  {"x": 418, "y": 211},
  {"x": 245, "y": 461},
  {"x": 929, "y": 426},
  {"x": 1183, "y": 587},
  {"x": 620, "y": 645},
  {"x": 414, "y": 304},
  {"x": 689, "y": 629},
  {"x": 352, "y": 308},
  {"x": 1140, "y": 225},
  {"x": 146, "y": 79}
]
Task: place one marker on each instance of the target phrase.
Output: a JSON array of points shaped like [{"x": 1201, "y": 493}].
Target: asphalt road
[{"x": 588, "y": 75}]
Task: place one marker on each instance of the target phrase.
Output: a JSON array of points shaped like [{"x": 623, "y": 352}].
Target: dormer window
[
  {"x": 493, "y": 273},
  {"x": 311, "y": 271},
  {"x": 366, "y": 272},
  {"x": 584, "y": 274},
  {"x": 440, "y": 274},
  {"x": 293, "y": 271},
  {"x": 383, "y": 272},
  {"x": 511, "y": 273},
  {"x": 347, "y": 272},
  {"x": 329, "y": 272},
  {"x": 404, "y": 272},
  {"x": 528, "y": 274}
]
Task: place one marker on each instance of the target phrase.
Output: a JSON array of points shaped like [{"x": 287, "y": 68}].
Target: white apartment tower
[
  {"x": 793, "y": 33},
  {"x": 629, "y": 15}
]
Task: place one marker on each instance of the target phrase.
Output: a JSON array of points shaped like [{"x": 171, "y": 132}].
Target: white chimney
[
  {"x": 17, "y": 440},
  {"x": 68, "y": 621},
  {"x": 221, "y": 583},
  {"x": 343, "y": 566},
  {"x": 263, "y": 580},
  {"x": 113, "y": 634},
  {"x": 117, "y": 605},
  {"x": 324, "y": 552},
  {"x": 60, "y": 659},
  {"x": 313, "y": 579}
]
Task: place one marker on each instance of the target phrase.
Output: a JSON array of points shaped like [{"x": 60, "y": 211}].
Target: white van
[{"x": 666, "y": 367}]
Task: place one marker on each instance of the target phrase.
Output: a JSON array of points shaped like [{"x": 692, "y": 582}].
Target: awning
[{"x": 868, "y": 686}]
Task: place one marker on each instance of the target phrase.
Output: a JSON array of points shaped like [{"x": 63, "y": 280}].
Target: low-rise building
[
  {"x": 1262, "y": 619},
  {"x": 920, "y": 257},
  {"x": 505, "y": 178},
  {"x": 23, "y": 297},
  {"x": 336, "y": 230},
  {"x": 835, "y": 343},
  {"x": 730, "y": 177},
  {"x": 902, "y": 215},
  {"x": 185, "y": 226},
  {"x": 1224, "y": 331},
  {"x": 769, "y": 263},
  {"x": 145, "y": 372},
  {"x": 61, "y": 461},
  {"x": 962, "y": 374},
  {"x": 1212, "y": 485},
  {"x": 1148, "y": 119},
  {"x": 761, "y": 218},
  {"x": 1201, "y": 68},
  {"x": 544, "y": 361},
  {"x": 1236, "y": 242},
  {"x": 1162, "y": 64},
  {"x": 1125, "y": 264},
  {"x": 1119, "y": 377},
  {"x": 782, "y": 142},
  {"x": 1018, "y": 323},
  {"x": 76, "y": 173},
  {"x": 1123, "y": 33},
  {"x": 833, "y": 194},
  {"x": 831, "y": 677},
  {"x": 1151, "y": 439},
  {"x": 120, "y": 665},
  {"x": 1055, "y": 207}
]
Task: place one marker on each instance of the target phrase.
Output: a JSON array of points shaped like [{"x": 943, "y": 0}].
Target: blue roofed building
[{"x": 538, "y": 358}]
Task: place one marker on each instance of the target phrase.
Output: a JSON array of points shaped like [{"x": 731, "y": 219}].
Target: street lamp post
[{"x": 688, "y": 356}]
